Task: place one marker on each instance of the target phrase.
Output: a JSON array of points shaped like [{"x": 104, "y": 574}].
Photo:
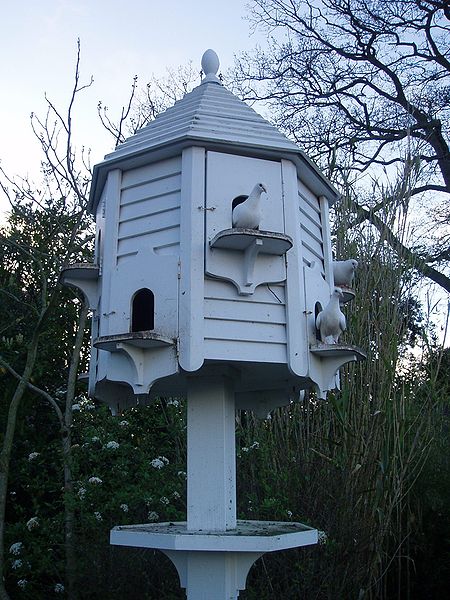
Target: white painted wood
[
  {"x": 264, "y": 294},
  {"x": 150, "y": 209},
  {"x": 228, "y": 177},
  {"x": 240, "y": 328},
  {"x": 211, "y": 463},
  {"x": 257, "y": 312},
  {"x": 151, "y": 190},
  {"x": 295, "y": 293},
  {"x": 228, "y": 572},
  {"x": 144, "y": 270},
  {"x": 247, "y": 537},
  {"x": 244, "y": 351},
  {"x": 112, "y": 208},
  {"x": 151, "y": 172},
  {"x": 157, "y": 240},
  {"x": 150, "y": 206},
  {"x": 192, "y": 260},
  {"x": 327, "y": 250},
  {"x": 232, "y": 330},
  {"x": 311, "y": 226}
]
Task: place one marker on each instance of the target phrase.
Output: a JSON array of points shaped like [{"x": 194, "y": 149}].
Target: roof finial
[{"x": 210, "y": 66}]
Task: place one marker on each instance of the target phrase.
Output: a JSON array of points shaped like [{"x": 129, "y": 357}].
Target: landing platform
[{"x": 249, "y": 536}]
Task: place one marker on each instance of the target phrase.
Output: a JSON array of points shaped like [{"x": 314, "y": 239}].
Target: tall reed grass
[{"x": 348, "y": 465}]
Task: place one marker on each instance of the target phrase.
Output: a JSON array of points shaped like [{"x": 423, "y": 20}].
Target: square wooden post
[{"x": 211, "y": 451}]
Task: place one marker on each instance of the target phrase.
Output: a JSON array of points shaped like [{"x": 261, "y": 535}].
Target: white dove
[
  {"x": 344, "y": 271},
  {"x": 331, "y": 320},
  {"x": 248, "y": 214}
]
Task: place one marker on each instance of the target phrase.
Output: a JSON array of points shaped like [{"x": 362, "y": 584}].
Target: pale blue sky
[{"x": 119, "y": 39}]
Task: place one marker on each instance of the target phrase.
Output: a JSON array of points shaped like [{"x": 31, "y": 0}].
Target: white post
[{"x": 211, "y": 454}]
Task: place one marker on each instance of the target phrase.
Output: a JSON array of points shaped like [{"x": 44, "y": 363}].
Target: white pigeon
[
  {"x": 331, "y": 320},
  {"x": 344, "y": 271},
  {"x": 248, "y": 214}
]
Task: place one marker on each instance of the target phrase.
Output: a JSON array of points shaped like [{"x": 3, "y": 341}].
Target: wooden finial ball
[{"x": 210, "y": 64}]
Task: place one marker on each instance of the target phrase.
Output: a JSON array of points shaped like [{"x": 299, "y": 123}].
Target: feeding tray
[
  {"x": 138, "y": 339},
  {"x": 84, "y": 271},
  {"x": 338, "y": 351},
  {"x": 248, "y": 536},
  {"x": 348, "y": 294},
  {"x": 238, "y": 238}
]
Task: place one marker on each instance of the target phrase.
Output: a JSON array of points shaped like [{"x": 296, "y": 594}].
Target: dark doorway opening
[{"x": 143, "y": 311}]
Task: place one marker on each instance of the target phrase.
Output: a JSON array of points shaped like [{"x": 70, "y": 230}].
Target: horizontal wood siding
[
  {"x": 311, "y": 226},
  {"x": 150, "y": 209},
  {"x": 244, "y": 328}
]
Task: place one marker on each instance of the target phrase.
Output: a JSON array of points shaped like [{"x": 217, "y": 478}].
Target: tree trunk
[
  {"x": 5, "y": 455},
  {"x": 69, "y": 516}
]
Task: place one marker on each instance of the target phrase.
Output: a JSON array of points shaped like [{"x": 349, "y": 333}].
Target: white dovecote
[
  {"x": 188, "y": 301},
  {"x": 175, "y": 288}
]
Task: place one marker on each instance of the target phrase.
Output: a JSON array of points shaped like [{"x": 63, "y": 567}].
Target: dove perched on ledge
[
  {"x": 344, "y": 271},
  {"x": 248, "y": 214},
  {"x": 331, "y": 320}
]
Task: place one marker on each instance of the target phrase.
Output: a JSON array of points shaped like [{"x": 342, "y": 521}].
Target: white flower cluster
[
  {"x": 22, "y": 583},
  {"x": 95, "y": 439},
  {"x": 81, "y": 493},
  {"x": 322, "y": 537},
  {"x": 98, "y": 516},
  {"x": 32, "y": 523},
  {"x": 160, "y": 462},
  {"x": 16, "y": 564},
  {"x": 95, "y": 480},
  {"x": 112, "y": 445},
  {"x": 182, "y": 474},
  {"x": 59, "y": 588},
  {"x": 152, "y": 516},
  {"x": 172, "y": 402},
  {"x": 33, "y": 455},
  {"x": 124, "y": 507},
  {"x": 164, "y": 500},
  {"x": 124, "y": 423},
  {"x": 254, "y": 446},
  {"x": 75, "y": 407},
  {"x": 16, "y": 548}
]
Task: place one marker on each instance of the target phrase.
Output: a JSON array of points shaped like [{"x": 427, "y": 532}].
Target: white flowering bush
[
  {"x": 95, "y": 480},
  {"x": 32, "y": 523},
  {"x": 112, "y": 445},
  {"x": 125, "y": 470},
  {"x": 16, "y": 548},
  {"x": 160, "y": 462}
]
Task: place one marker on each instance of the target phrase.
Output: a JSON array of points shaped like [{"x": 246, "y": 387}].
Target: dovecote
[{"x": 175, "y": 288}]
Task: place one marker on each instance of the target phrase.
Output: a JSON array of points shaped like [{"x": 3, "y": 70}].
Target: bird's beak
[{"x": 264, "y": 187}]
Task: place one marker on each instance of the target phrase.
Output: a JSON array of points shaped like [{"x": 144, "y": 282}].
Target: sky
[{"x": 119, "y": 39}]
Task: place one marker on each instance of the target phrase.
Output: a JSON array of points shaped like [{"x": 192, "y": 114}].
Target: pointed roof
[{"x": 212, "y": 117}]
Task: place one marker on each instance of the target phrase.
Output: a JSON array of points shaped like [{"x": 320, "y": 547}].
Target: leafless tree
[
  {"x": 362, "y": 86},
  {"x": 144, "y": 104},
  {"x": 61, "y": 202}
]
